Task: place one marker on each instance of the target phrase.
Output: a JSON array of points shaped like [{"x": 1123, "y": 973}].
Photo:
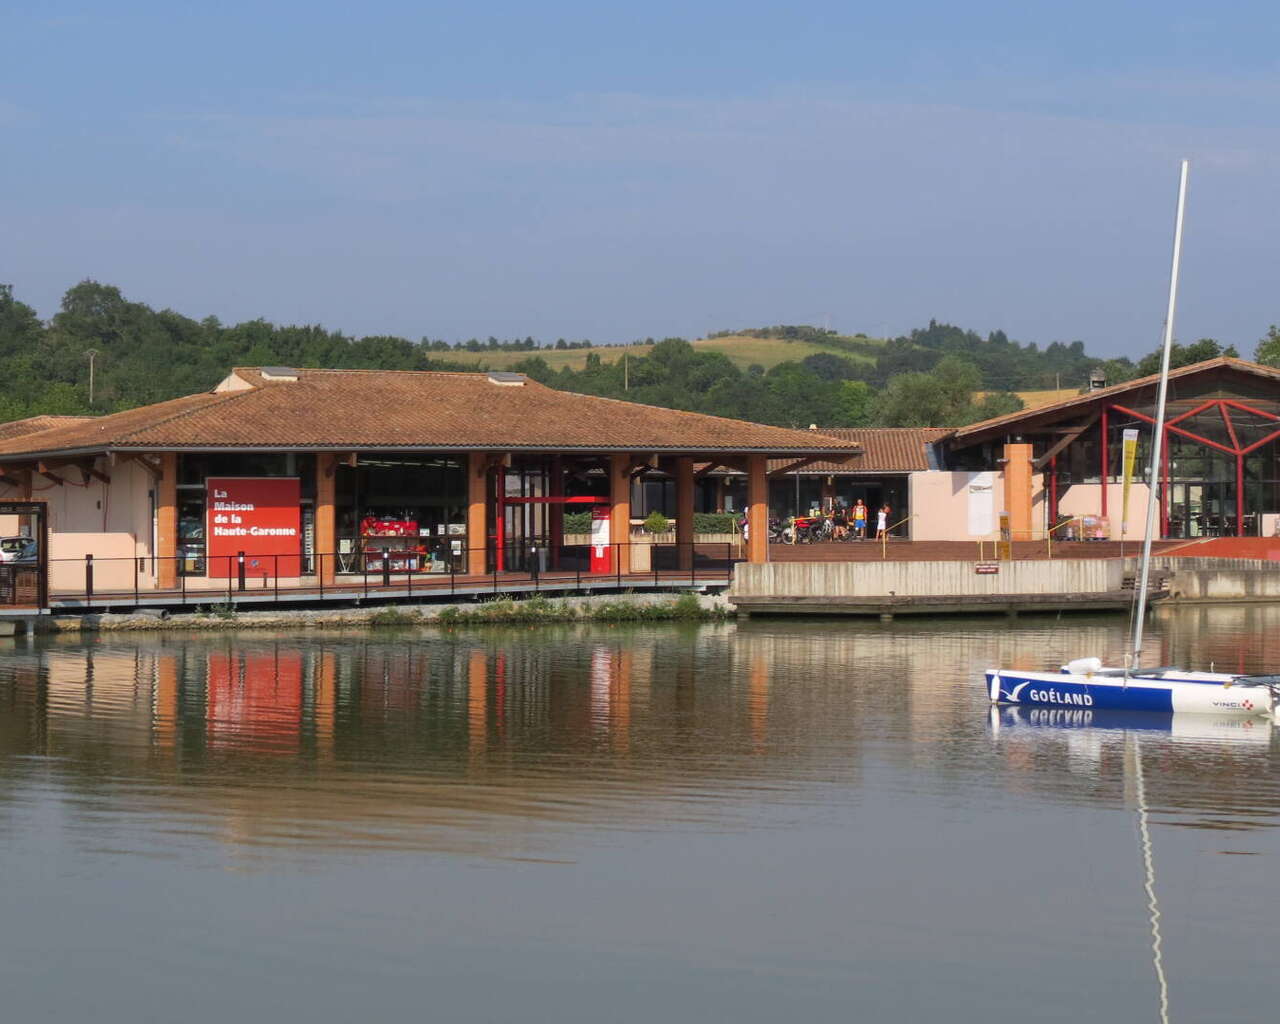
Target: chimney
[{"x": 1097, "y": 380}]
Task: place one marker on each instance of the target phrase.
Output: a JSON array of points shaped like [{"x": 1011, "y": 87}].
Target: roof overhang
[
  {"x": 1029, "y": 421},
  {"x": 772, "y": 453}
]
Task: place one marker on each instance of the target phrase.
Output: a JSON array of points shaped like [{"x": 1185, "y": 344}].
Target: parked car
[{"x": 18, "y": 551}]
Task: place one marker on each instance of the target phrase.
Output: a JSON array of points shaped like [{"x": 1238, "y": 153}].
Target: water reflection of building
[{"x": 430, "y": 740}]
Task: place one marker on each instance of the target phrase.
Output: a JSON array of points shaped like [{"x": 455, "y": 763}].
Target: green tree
[
  {"x": 1184, "y": 355},
  {"x": 941, "y": 398},
  {"x": 855, "y": 404},
  {"x": 1268, "y": 351}
]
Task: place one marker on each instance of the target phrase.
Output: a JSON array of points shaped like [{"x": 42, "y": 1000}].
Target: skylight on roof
[
  {"x": 278, "y": 373},
  {"x": 506, "y": 378}
]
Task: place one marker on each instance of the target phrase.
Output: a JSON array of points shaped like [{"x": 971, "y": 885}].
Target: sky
[{"x": 587, "y": 170}]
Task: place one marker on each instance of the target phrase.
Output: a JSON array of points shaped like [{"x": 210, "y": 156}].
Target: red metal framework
[{"x": 1223, "y": 407}]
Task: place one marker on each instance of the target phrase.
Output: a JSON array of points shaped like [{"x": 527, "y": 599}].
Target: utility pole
[
  {"x": 626, "y": 374},
  {"x": 93, "y": 353}
]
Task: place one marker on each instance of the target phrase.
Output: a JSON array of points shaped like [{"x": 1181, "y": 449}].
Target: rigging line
[{"x": 1149, "y": 881}]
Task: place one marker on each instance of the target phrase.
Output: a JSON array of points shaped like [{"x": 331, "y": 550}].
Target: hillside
[
  {"x": 1036, "y": 399},
  {"x": 742, "y": 351}
]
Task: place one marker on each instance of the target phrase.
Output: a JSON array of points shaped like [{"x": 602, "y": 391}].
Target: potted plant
[{"x": 642, "y": 540}]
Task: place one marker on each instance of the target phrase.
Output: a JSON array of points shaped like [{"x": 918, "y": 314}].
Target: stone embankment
[
  {"x": 588, "y": 608},
  {"x": 1214, "y": 580}
]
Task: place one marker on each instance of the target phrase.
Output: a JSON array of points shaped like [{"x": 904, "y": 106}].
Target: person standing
[
  {"x": 882, "y": 523},
  {"x": 860, "y": 520}
]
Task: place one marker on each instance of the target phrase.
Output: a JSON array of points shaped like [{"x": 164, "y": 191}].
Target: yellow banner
[{"x": 1130, "y": 449}]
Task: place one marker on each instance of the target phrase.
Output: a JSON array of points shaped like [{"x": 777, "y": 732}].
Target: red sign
[
  {"x": 601, "y": 552},
  {"x": 259, "y": 516}
]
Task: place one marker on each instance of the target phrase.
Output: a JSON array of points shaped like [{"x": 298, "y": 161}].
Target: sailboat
[{"x": 1085, "y": 682}]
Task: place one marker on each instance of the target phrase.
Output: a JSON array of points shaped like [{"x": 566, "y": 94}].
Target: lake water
[{"x": 814, "y": 821}]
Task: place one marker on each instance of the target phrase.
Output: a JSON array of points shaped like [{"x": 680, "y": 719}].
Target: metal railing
[
  {"x": 273, "y": 578},
  {"x": 884, "y": 536}
]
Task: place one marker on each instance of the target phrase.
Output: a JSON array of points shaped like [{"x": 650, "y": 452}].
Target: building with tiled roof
[
  {"x": 1221, "y": 466},
  {"x": 354, "y": 410},
  {"x": 317, "y": 473},
  {"x": 37, "y": 424}
]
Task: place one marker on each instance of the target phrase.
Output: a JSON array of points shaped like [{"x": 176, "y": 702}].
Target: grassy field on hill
[
  {"x": 743, "y": 351},
  {"x": 1035, "y": 399}
]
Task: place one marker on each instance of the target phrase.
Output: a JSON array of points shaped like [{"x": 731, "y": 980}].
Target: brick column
[
  {"x": 477, "y": 512},
  {"x": 167, "y": 522},
  {"x": 684, "y": 511},
  {"x": 326, "y": 539},
  {"x": 1017, "y": 490},
  {"x": 620, "y": 514},
  {"x": 757, "y": 509}
]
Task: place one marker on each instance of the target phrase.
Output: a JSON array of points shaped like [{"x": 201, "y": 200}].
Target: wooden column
[
  {"x": 555, "y": 511},
  {"x": 620, "y": 511},
  {"x": 477, "y": 513},
  {"x": 326, "y": 539},
  {"x": 757, "y": 509},
  {"x": 1017, "y": 490},
  {"x": 684, "y": 511},
  {"x": 167, "y": 522}
]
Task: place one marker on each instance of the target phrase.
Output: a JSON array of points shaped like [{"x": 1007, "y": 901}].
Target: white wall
[
  {"x": 946, "y": 505},
  {"x": 1086, "y": 499},
  {"x": 111, "y": 521}
]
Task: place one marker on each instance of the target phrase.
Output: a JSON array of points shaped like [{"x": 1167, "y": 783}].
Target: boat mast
[{"x": 1158, "y": 439}]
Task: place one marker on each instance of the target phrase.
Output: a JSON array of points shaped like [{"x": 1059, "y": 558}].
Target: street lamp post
[{"x": 93, "y": 353}]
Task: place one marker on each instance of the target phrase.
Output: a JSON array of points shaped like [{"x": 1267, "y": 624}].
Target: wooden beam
[
  {"x": 727, "y": 462},
  {"x": 47, "y": 472},
  {"x": 153, "y": 466},
  {"x": 791, "y": 467},
  {"x": 1063, "y": 441}
]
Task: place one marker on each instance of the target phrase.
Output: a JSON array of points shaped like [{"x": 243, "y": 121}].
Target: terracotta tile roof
[
  {"x": 35, "y": 424},
  {"x": 996, "y": 425},
  {"x": 361, "y": 409},
  {"x": 884, "y": 449}
]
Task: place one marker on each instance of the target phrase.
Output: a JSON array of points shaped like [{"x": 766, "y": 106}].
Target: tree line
[{"x": 939, "y": 375}]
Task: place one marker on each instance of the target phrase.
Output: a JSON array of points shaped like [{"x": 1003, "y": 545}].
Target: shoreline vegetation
[{"x": 501, "y": 610}]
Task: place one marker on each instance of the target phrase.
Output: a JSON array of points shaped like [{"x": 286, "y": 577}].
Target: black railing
[{"x": 248, "y": 578}]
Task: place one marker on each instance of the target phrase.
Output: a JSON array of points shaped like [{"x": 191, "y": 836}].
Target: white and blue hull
[{"x": 1193, "y": 692}]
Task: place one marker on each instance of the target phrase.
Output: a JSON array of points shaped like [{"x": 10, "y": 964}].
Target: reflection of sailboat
[
  {"x": 1149, "y": 878},
  {"x": 1177, "y": 726},
  {"x": 1084, "y": 683},
  {"x": 1137, "y": 727}
]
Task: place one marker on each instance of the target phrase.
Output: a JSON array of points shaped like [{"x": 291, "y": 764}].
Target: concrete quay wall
[
  {"x": 924, "y": 579},
  {"x": 1222, "y": 579}
]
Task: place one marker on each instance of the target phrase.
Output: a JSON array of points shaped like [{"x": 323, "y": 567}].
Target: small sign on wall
[
  {"x": 260, "y": 516},
  {"x": 986, "y": 568}
]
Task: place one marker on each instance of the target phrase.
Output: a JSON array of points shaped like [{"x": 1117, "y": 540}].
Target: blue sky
[{"x": 588, "y": 170}]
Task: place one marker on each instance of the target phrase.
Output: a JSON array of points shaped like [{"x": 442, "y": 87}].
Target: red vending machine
[{"x": 601, "y": 552}]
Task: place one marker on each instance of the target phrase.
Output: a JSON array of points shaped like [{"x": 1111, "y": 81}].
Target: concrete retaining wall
[{"x": 922, "y": 579}]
